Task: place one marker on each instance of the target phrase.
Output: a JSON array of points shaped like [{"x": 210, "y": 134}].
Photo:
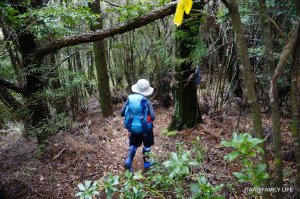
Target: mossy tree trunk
[
  {"x": 37, "y": 105},
  {"x": 186, "y": 111},
  {"x": 101, "y": 66},
  {"x": 247, "y": 75},
  {"x": 295, "y": 101}
]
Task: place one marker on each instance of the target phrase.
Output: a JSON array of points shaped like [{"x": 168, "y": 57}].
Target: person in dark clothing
[{"x": 138, "y": 116}]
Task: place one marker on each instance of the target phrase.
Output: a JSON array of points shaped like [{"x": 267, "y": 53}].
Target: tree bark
[
  {"x": 269, "y": 63},
  {"x": 186, "y": 111},
  {"x": 101, "y": 66},
  {"x": 295, "y": 96},
  {"x": 9, "y": 100},
  {"x": 295, "y": 101},
  {"x": 267, "y": 37},
  {"x": 247, "y": 75},
  {"x": 288, "y": 49},
  {"x": 36, "y": 104}
]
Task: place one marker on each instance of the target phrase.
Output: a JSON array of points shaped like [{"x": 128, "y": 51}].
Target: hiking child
[{"x": 138, "y": 116}]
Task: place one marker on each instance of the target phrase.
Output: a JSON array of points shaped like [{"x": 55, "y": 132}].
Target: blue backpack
[{"x": 136, "y": 114}]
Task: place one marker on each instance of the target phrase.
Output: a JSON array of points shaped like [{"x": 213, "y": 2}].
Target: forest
[{"x": 214, "y": 84}]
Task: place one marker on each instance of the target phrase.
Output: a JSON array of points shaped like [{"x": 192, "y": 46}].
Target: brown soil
[{"x": 96, "y": 146}]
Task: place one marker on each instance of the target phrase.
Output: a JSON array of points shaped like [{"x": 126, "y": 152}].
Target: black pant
[{"x": 146, "y": 138}]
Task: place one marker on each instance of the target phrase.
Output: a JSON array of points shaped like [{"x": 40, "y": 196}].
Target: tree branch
[
  {"x": 102, "y": 34},
  {"x": 12, "y": 86},
  {"x": 288, "y": 49},
  {"x": 8, "y": 99},
  {"x": 111, "y": 3}
]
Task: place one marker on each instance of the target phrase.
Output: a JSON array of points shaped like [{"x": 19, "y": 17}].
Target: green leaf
[
  {"x": 78, "y": 194},
  {"x": 184, "y": 156},
  {"x": 260, "y": 168},
  {"x": 135, "y": 190},
  {"x": 265, "y": 176},
  {"x": 240, "y": 176},
  {"x": 138, "y": 176},
  {"x": 256, "y": 141},
  {"x": 202, "y": 180},
  {"x": 81, "y": 187},
  {"x": 168, "y": 163},
  {"x": 174, "y": 156},
  {"x": 227, "y": 144},
  {"x": 116, "y": 180},
  {"x": 95, "y": 183},
  {"x": 195, "y": 188},
  {"x": 232, "y": 156},
  {"x": 244, "y": 149},
  {"x": 87, "y": 184},
  {"x": 88, "y": 197},
  {"x": 235, "y": 136},
  {"x": 193, "y": 164},
  {"x": 96, "y": 193}
]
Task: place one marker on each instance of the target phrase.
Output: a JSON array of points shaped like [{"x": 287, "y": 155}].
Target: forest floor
[{"x": 96, "y": 146}]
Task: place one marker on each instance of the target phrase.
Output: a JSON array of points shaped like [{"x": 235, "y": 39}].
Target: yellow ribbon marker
[{"x": 182, "y": 6}]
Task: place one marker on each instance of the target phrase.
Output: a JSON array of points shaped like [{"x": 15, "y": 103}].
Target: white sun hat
[{"x": 143, "y": 87}]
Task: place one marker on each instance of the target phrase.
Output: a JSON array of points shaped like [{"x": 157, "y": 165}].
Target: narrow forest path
[{"x": 95, "y": 147}]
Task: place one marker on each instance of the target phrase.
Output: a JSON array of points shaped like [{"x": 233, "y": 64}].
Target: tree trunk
[
  {"x": 267, "y": 37},
  {"x": 295, "y": 101},
  {"x": 186, "y": 111},
  {"x": 101, "y": 66},
  {"x": 36, "y": 104},
  {"x": 295, "y": 96},
  {"x": 269, "y": 62},
  {"x": 288, "y": 49},
  {"x": 247, "y": 75}
]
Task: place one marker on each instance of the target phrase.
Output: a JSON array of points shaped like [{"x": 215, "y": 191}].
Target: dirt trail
[
  {"x": 96, "y": 146},
  {"x": 92, "y": 148}
]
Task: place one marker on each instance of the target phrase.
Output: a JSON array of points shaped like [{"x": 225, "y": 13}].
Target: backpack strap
[{"x": 144, "y": 114}]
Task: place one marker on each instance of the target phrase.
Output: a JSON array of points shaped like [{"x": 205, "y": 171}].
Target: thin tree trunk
[
  {"x": 269, "y": 63},
  {"x": 295, "y": 101},
  {"x": 267, "y": 37},
  {"x": 288, "y": 49},
  {"x": 60, "y": 101},
  {"x": 101, "y": 66},
  {"x": 247, "y": 75},
  {"x": 295, "y": 96}
]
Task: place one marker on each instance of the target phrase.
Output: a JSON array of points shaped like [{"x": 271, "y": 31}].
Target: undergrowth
[{"x": 179, "y": 176}]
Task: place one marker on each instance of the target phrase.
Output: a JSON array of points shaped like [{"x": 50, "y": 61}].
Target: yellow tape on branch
[{"x": 182, "y": 6}]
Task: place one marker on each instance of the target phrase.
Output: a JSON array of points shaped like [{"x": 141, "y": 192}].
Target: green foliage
[
  {"x": 169, "y": 133},
  {"x": 178, "y": 166},
  {"x": 203, "y": 189},
  {"x": 55, "y": 19},
  {"x": 127, "y": 12},
  {"x": 50, "y": 126},
  {"x": 199, "y": 51},
  {"x": 88, "y": 190},
  {"x": 247, "y": 148},
  {"x": 222, "y": 14},
  {"x": 174, "y": 177}
]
